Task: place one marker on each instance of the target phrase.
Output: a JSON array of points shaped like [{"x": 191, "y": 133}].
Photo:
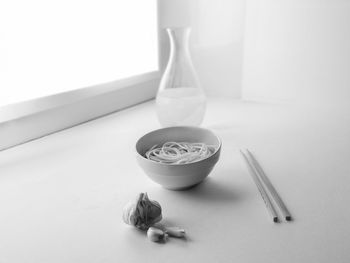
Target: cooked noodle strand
[{"x": 179, "y": 152}]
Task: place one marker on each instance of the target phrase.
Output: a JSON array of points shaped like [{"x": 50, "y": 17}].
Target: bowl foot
[{"x": 181, "y": 188}]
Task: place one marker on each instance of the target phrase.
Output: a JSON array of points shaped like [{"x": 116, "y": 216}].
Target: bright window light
[{"x": 49, "y": 47}]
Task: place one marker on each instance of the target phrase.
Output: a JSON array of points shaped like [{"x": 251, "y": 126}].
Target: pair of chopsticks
[{"x": 265, "y": 187}]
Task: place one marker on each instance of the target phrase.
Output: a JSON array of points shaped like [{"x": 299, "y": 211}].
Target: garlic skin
[
  {"x": 156, "y": 235},
  {"x": 142, "y": 213}
]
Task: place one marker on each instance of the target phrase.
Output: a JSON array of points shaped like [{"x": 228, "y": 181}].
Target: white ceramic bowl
[{"x": 177, "y": 176}]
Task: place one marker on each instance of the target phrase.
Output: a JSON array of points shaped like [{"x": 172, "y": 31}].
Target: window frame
[{"x": 26, "y": 121}]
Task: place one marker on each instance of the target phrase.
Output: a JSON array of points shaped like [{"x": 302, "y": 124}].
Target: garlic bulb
[
  {"x": 156, "y": 235},
  {"x": 143, "y": 212}
]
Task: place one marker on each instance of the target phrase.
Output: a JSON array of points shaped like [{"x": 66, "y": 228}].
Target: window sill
[{"x": 33, "y": 119}]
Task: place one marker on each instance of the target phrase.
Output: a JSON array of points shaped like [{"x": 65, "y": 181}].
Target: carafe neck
[{"x": 179, "y": 41}]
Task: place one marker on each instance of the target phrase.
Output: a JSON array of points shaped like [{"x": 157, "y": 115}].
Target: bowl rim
[{"x": 179, "y": 164}]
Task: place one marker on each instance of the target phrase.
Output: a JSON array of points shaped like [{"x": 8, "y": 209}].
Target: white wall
[
  {"x": 216, "y": 40},
  {"x": 266, "y": 49},
  {"x": 297, "y": 49}
]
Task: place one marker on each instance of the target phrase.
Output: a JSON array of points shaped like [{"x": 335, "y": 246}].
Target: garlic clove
[
  {"x": 175, "y": 231},
  {"x": 172, "y": 231},
  {"x": 129, "y": 212},
  {"x": 156, "y": 235}
]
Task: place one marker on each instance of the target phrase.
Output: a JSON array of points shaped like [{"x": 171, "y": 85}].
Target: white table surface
[{"x": 61, "y": 197}]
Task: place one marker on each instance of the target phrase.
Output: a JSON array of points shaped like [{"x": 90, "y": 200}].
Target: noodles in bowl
[{"x": 180, "y": 152}]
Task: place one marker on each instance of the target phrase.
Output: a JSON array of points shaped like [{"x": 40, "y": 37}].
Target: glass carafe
[{"x": 180, "y": 99}]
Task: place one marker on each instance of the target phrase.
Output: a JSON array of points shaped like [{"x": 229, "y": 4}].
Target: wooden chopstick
[
  {"x": 275, "y": 196},
  {"x": 261, "y": 189}
]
